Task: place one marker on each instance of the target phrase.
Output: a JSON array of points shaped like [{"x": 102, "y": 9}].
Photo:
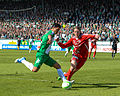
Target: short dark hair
[{"x": 56, "y": 25}]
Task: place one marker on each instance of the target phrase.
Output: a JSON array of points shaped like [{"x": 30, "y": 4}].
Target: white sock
[
  {"x": 29, "y": 50},
  {"x": 72, "y": 51},
  {"x": 28, "y": 64},
  {"x": 60, "y": 73},
  {"x": 66, "y": 53}
]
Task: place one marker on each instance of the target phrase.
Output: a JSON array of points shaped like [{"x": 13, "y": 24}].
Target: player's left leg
[
  {"x": 94, "y": 53},
  {"x": 29, "y": 50},
  {"x": 52, "y": 63},
  {"x": 112, "y": 53},
  {"x": 115, "y": 51},
  {"x": 18, "y": 47},
  {"x": 70, "y": 73},
  {"x": 59, "y": 71}
]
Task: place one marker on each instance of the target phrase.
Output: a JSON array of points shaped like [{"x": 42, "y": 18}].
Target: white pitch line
[{"x": 26, "y": 79}]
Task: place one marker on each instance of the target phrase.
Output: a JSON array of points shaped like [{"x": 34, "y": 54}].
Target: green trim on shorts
[{"x": 46, "y": 59}]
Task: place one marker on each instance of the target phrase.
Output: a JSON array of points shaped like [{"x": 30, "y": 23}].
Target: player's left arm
[{"x": 67, "y": 44}]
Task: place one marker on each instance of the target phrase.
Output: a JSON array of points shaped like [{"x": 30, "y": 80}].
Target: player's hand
[
  {"x": 97, "y": 37},
  {"x": 49, "y": 42},
  {"x": 57, "y": 39}
]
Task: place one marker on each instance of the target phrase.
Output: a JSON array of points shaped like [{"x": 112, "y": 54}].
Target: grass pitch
[{"x": 99, "y": 77}]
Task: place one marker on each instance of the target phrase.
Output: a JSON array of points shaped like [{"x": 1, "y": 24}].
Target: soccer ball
[{"x": 66, "y": 85}]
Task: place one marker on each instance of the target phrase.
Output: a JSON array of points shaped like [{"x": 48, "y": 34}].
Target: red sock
[
  {"x": 89, "y": 53},
  {"x": 69, "y": 74},
  {"x": 94, "y": 54},
  {"x": 66, "y": 74}
]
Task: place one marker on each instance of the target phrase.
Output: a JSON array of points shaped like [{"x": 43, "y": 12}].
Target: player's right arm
[
  {"x": 67, "y": 44},
  {"x": 110, "y": 41},
  {"x": 49, "y": 39}
]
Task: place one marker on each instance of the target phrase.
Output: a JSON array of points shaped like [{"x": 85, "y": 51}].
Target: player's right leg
[
  {"x": 71, "y": 71},
  {"x": 52, "y": 63},
  {"x": 34, "y": 68},
  {"x": 112, "y": 54},
  {"x": 26, "y": 63},
  {"x": 94, "y": 53},
  {"x": 79, "y": 63},
  {"x": 115, "y": 51},
  {"x": 30, "y": 46}
]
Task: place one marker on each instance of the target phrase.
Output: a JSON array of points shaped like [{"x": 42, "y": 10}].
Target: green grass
[{"x": 99, "y": 77}]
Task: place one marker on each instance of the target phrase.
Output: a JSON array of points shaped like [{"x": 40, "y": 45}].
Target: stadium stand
[{"x": 32, "y": 18}]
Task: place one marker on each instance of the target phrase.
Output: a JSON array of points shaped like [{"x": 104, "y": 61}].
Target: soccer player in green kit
[{"x": 42, "y": 55}]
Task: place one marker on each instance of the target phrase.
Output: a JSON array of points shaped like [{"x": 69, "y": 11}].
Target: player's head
[
  {"x": 56, "y": 27},
  {"x": 77, "y": 31},
  {"x": 114, "y": 35}
]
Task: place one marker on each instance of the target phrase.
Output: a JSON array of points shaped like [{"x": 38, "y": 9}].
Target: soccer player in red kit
[
  {"x": 93, "y": 45},
  {"x": 80, "y": 52}
]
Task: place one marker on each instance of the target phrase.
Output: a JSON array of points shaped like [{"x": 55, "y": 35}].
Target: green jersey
[{"x": 45, "y": 48}]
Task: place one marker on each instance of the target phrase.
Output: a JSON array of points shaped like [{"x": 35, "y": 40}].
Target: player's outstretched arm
[
  {"x": 49, "y": 39},
  {"x": 67, "y": 44}
]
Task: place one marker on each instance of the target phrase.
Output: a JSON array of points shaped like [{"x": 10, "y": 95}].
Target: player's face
[
  {"x": 113, "y": 36},
  {"x": 76, "y": 32},
  {"x": 56, "y": 30}
]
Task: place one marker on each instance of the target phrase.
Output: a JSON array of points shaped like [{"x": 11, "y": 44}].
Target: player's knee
[
  {"x": 57, "y": 66},
  {"x": 73, "y": 63},
  {"x": 73, "y": 66}
]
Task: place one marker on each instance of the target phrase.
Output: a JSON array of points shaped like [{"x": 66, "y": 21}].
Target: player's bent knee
[
  {"x": 57, "y": 66},
  {"x": 73, "y": 66}
]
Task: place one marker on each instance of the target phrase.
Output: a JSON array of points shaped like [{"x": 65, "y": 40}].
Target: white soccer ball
[{"x": 66, "y": 85}]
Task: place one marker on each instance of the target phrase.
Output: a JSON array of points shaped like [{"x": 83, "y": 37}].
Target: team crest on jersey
[{"x": 76, "y": 42}]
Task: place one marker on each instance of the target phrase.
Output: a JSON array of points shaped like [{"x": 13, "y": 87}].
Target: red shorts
[
  {"x": 93, "y": 46},
  {"x": 80, "y": 61}
]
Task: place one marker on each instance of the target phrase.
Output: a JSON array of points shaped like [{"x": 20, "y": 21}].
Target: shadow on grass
[
  {"x": 98, "y": 85},
  {"x": 104, "y": 59},
  {"x": 90, "y": 85}
]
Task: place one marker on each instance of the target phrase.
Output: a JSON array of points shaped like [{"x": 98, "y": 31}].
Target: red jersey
[
  {"x": 93, "y": 41},
  {"x": 81, "y": 45}
]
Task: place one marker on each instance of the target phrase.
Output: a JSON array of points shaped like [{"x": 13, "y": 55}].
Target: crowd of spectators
[{"x": 93, "y": 16}]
